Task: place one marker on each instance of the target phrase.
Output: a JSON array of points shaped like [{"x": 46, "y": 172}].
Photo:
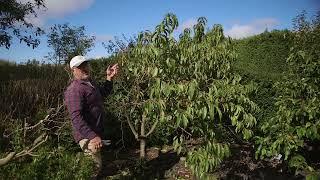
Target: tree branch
[
  {"x": 8, "y": 158},
  {"x": 152, "y": 128},
  {"x": 28, "y": 151},
  {"x": 37, "y": 142},
  {"x": 132, "y": 128}
]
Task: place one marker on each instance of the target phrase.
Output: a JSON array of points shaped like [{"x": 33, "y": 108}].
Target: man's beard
[{"x": 85, "y": 76}]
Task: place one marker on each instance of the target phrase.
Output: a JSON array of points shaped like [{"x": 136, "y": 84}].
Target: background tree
[
  {"x": 13, "y": 22},
  {"x": 296, "y": 122},
  {"x": 67, "y": 42}
]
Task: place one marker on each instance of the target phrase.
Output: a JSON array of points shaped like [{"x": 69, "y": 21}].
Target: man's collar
[
  {"x": 87, "y": 82},
  {"x": 81, "y": 80}
]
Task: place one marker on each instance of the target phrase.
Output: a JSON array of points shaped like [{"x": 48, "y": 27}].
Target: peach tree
[{"x": 187, "y": 85}]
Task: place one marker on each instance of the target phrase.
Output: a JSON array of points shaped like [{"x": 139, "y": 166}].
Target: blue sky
[{"x": 106, "y": 19}]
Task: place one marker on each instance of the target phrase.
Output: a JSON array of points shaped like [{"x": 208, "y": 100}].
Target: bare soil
[{"x": 168, "y": 165}]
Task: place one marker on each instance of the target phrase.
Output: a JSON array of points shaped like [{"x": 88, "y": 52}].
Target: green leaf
[
  {"x": 191, "y": 90},
  {"x": 178, "y": 120},
  {"x": 155, "y": 72},
  {"x": 184, "y": 120},
  {"x": 312, "y": 177},
  {"x": 219, "y": 112},
  {"x": 204, "y": 112}
]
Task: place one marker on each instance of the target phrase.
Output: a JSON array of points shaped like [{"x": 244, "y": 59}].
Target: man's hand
[
  {"x": 112, "y": 71},
  {"x": 95, "y": 144}
]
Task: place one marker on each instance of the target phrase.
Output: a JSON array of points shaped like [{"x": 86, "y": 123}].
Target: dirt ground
[{"x": 166, "y": 164}]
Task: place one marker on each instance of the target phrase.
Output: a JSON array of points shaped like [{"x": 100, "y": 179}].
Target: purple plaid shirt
[{"x": 84, "y": 101}]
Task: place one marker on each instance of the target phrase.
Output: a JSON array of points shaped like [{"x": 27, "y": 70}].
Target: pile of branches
[{"x": 52, "y": 125}]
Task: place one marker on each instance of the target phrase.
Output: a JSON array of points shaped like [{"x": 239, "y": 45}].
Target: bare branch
[
  {"x": 132, "y": 128},
  {"x": 185, "y": 131},
  {"x": 152, "y": 128},
  {"x": 28, "y": 151},
  {"x": 8, "y": 158}
]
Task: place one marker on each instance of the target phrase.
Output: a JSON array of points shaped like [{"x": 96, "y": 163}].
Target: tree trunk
[
  {"x": 142, "y": 148},
  {"x": 142, "y": 138}
]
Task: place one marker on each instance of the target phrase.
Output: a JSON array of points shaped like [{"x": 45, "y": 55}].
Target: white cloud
[
  {"x": 58, "y": 9},
  {"x": 240, "y": 31},
  {"x": 187, "y": 24},
  {"x": 255, "y": 27},
  {"x": 266, "y": 22}
]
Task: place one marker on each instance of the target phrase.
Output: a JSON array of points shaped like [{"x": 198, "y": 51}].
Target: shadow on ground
[
  {"x": 126, "y": 165},
  {"x": 241, "y": 165}
]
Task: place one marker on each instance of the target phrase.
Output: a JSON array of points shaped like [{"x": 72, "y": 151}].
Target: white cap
[{"x": 77, "y": 60}]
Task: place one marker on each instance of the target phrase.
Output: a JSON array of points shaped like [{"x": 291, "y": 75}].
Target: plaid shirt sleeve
[
  {"x": 74, "y": 103},
  {"x": 105, "y": 88}
]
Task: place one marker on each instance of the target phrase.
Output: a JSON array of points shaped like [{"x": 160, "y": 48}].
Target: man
[{"x": 84, "y": 101}]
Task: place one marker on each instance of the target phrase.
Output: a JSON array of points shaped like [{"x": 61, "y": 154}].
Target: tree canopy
[
  {"x": 13, "y": 22},
  {"x": 67, "y": 41}
]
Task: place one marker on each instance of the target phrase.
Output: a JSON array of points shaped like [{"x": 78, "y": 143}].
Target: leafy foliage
[
  {"x": 186, "y": 84},
  {"x": 206, "y": 159},
  {"x": 184, "y": 91},
  {"x": 262, "y": 57},
  {"x": 67, "y": 42},
  {"x": 13, "y": 15},
  {"x": 298, "y": 100},
  {"x": 58, "y": 164}
]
